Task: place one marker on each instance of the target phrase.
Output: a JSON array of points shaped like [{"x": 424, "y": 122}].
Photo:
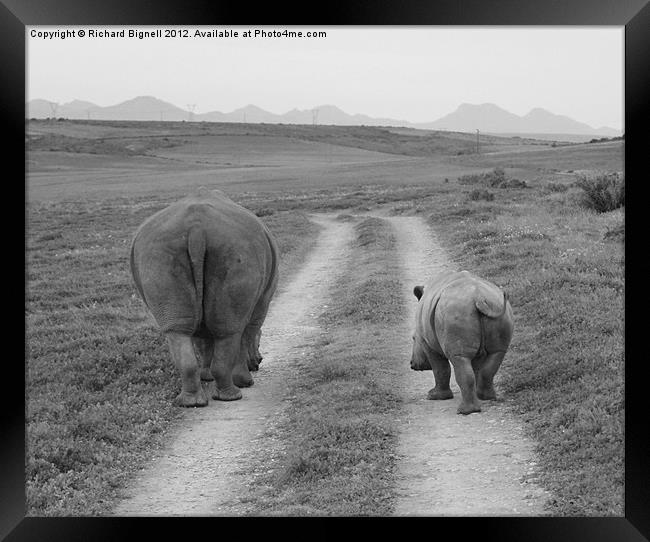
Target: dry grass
[
  {"x": 100, "y": 382},
  {"x": 564, "y": 371},
  {"x": 340, "y": 431}
]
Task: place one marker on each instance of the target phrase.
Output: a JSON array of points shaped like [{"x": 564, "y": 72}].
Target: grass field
[
  {"x": 341, "y": 423},
  {"x": 99, "y": 379},
  {"x": 564, "y": 370},
  {"x": 99, "y": 383}
]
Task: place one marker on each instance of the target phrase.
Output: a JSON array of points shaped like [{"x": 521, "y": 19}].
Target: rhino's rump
[
  {"x": 196, "y": 287},
  {"x": 234, "y": 280},
  {"x": 457, "y": 325},
  {"x": 467, "y": 316},
  {"x": 166, "y": 285}
]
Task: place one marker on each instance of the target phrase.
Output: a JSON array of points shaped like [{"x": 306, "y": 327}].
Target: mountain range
[{"x": 487, "y": 117}]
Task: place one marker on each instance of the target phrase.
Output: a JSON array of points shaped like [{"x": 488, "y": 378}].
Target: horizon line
[{"x": 324, "y": 105}]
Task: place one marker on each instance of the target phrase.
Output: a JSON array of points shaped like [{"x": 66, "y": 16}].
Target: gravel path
[
  {"x": 454, "y": 465},
  {"x": 203, "y": 471},
  {"x": 450, "y": 465}
]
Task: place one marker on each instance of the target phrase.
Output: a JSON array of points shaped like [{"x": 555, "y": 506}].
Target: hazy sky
[{"x": 416, "y": 74}]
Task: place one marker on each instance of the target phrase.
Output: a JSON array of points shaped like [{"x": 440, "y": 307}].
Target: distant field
[
  {"x": 99, "y": 381},
  {"x": 64, "y": 176},
  {"x": 591, "y": 156},
  {"x": 68, "y": 160},
  {"x": 102, "y": 159}
]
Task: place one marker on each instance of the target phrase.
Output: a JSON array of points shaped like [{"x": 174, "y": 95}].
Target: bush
[
  {"x": 556, "y": 187},
  {"x": 615, "y": 234},
  {"x": 509, "y": 183},
  {"x": 264, "y": 211},
  {"x": 603, "y": 192},
  {"x": 494, "y": 179},
  {"x": 499, "y": 174},
  {"x": 480, "y": 194},
  {"x": 470, "y": 179}
]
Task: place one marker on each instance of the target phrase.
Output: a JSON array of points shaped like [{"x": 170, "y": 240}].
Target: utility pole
[
  {"x": 477, "y": 141},
  {"x": 190, "y": 109},
  {"x": 53, "y": 108}
]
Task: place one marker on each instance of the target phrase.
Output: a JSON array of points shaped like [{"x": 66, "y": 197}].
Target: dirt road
[
  {"x": 203, "y": 471},
  {"x": 454, "y": 465},
  {"x": 450, "y": 465}
]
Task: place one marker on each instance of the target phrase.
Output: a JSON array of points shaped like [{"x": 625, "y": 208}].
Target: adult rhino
[
  {"x": 206, "y": 268},
  {"x": 465, "y": 320}
]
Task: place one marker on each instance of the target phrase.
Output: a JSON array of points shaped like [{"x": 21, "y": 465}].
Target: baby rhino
[{"x": 467, "y": 321}]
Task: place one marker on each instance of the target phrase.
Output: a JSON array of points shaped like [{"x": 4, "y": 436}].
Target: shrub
[
  {"x": 510, "y": 183},
  {"x": 264, "y": 211},
  {"x": 603, "y": 192},
  {"x": 499, "y": 174},
  {"x": 494, "y": 179},
  {"x": 480, "y": 194},
  {"x": 470, "y": 179},
  {"x": 556, "y": 187},
  {"x": 615, "y": 234}
]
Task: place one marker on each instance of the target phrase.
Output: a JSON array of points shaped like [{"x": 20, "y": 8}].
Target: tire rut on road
[
  {"x": 203, "y": 471},
  {"x": 454, "y": 465}
]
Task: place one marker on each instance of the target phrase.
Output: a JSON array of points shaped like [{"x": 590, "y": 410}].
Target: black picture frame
[{"x": 633, "y": 14}]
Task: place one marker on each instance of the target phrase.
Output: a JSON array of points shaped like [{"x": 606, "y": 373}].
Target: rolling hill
[{"x": 487, "y": 117}]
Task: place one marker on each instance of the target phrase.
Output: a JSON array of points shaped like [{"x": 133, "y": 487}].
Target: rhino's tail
[
  {"x": 196, "y": 246},
  {"x": 134, "y": 271},
  {"x": 273, "y": 277},
  {"x": 489, "y": 308}
]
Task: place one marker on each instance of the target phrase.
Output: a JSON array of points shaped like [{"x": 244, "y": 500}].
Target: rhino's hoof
[
  {"x": 242, "y": 382},
  {"x": 230, "y": 394},
  {"x": 468, "y": 409},
  {"x": 185, "y": 399},
  {"x": 439, "y": 395},
  {"x": 486, "y": 395},
  {"x": 206, "y": 375}
]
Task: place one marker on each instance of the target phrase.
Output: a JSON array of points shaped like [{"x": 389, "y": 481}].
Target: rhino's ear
[{"x": 418, "y": 290}]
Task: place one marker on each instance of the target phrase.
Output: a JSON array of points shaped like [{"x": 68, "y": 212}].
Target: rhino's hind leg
[
  {"x": 485, "y": 386},
  {"x": 182, "y": 353},
  {"x": 250, "y": 345},
  {"x": 466, "y": 381},
  {"x": 226, "y": 355},
  {"x": 204, "y": 348},
  {"x": 241, "y": 375},
  {"x": 442, "y": 375}
]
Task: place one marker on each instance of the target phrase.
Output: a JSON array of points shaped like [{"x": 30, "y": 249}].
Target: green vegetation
[
  {"x": 547, "y": 159},
  {"x": 79, "y": 136},
  {"x": 100, "y": 381},
  {"x": 340, "y": 426},
  {"x": 602, "y": 192},
  {"x": 480, "y": 194},
  {"x": 494, "y": 179},
  {"x": 564, "y": 371},
  {"x": 556, "y": 187},
  {"x": 605, "y": 139}
]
